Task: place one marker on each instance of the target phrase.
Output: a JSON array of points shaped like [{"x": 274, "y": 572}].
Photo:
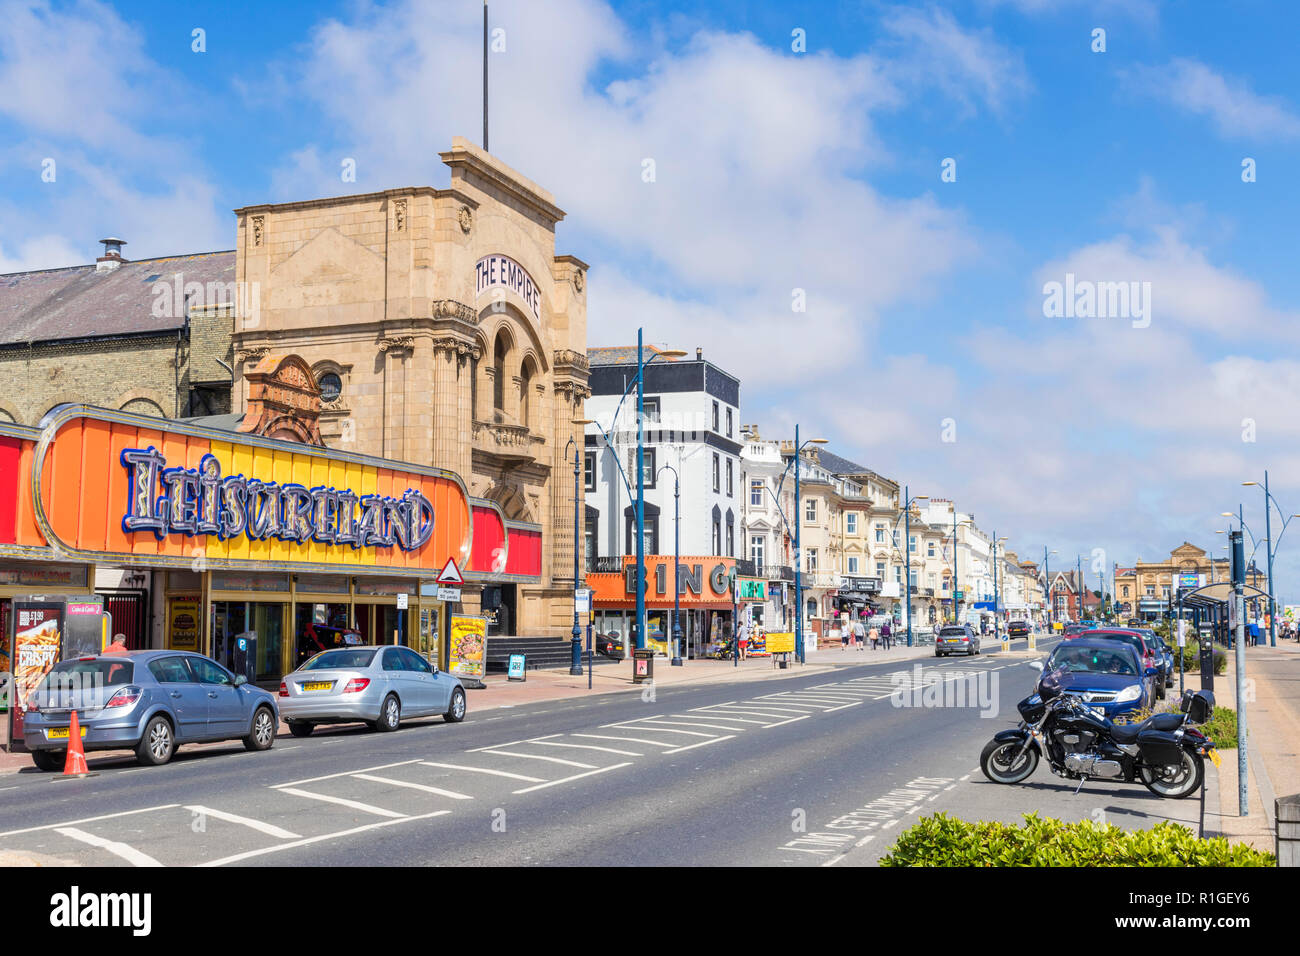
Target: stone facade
[{"x": 457, "y": 334}]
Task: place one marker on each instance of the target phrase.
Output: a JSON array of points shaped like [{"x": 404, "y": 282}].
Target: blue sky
[{"x": 776, "y": 171}]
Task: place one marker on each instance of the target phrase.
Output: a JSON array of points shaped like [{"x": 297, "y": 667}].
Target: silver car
[
  {"x": 378, "y": 685},
  {"x": 147, "y": 701},
  {"x": 956, "y": 639}
]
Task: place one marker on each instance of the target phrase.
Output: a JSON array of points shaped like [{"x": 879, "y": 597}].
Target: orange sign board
[
  {"x": 113, "y": 486},
  {"x": 703, "y": 581}
]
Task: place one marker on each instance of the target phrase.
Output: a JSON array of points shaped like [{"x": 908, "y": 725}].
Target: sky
[{"x": 858, "y": 208}]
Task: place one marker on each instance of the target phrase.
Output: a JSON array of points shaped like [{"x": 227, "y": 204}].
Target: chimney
[
  {"x": 112, "y": 259},
  {"x": 699, "y": 354}
]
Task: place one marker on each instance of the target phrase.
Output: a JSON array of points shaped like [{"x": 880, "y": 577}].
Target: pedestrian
[
  {"x": 859, "y": 634},
  {"x": 744, "y": 640},
  {"x": 875, "y": 637},
  {"x": 885, "y": 633},
  {"x": 844, "y": 635}
]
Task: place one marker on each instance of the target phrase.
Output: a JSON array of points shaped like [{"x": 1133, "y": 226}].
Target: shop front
[
  {"x": 262, "y": 552},
  {"x": 704, "y": 596}
]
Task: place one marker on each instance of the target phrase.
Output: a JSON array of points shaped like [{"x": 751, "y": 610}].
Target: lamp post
[
  {"x": 677, "y": 557},
  {"x": 1271, "y": 550},
  {"x": 575, "y": 663},
  {"x": 798, "y": 553},
  {"x": 997, "y": 621},
  {"x": 1047, "y": 585}
]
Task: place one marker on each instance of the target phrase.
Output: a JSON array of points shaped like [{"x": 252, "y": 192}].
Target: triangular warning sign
[{"x": 450, "y": 573}]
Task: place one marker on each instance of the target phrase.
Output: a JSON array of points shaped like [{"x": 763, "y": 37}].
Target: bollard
[{"x": 1287, "y": 810}]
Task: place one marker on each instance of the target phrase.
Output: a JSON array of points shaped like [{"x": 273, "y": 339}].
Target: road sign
[
  {"x": 449, "y": 595},
  {"x": 450, "y": 573},
  {"x": 582, "y": 600},
  {"x": 402, "y": 602}
]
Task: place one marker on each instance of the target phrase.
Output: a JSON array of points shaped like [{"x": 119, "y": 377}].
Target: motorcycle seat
[{"x": 1128, "y": 733}]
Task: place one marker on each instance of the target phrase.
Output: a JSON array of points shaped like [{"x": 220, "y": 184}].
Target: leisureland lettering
[
  {"x": 199, "y": 501},
  {"x": 133, "y": 910}
]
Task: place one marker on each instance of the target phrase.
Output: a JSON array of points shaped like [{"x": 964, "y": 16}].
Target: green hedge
[{"x": 942, "y": 840}]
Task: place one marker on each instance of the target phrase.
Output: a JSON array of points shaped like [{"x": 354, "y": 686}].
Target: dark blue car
[{"x": 1108, "y": 675}]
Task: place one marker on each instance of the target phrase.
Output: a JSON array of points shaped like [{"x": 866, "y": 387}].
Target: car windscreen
[
  {"x": 1092, "y": 660},
  {"x": 351, "y": 658}
]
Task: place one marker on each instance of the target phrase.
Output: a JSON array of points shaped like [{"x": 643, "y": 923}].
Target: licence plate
[
  {"x": 1214, "y": 756},
  {"x": 61, "y": 733},
  {"x": 318, "y": 685}
]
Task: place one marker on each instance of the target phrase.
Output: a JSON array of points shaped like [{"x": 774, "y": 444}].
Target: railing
[{"x": 605, "y": 565}]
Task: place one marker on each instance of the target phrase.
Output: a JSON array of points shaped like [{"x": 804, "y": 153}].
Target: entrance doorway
[
  {"x": 499, "y": 608},
  {"x": 266, "y": 620}
]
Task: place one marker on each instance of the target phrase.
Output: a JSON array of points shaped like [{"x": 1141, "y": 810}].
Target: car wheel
[
  {"x": 300, "y": 728},
  {"x": 456, "y": 711},
  {"x": 262, "y": 735},
  {"x": 49, "y": 759},
  {"x": 158, "y": 743},
  {"x": 937, "y": 654},
  {"x": 390, "y": 714}
]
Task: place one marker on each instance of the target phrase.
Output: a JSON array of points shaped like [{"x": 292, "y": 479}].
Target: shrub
[
  {"x": 1192, "y": 658},
  {"x": 942, "y": 840},
  {"x": 1222, "y": 728}
]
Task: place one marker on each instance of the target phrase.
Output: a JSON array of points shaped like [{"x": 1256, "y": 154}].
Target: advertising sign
[
  {"x": 38, "y": 638},
  {"x": 468, "y": 647},
  {"x": 516, "y": 671},
  {"x": 183, "y": 623},
  {"x": 751, "y": 589},
  {"x": 781, "y": 642}
]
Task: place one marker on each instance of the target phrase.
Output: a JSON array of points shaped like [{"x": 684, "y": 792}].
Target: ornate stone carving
[
  {"x": 251, "y": 355},
  {"x": 451, "y": 309},
  {"x": 568, "y": 358},
  {"x": 578, "y": 280},
  {"x": 572, "y": 391},
  {"x": 455, "y": 346},
  {"x": 399, "y": 214},
  {"x": 465, "y": 218},
  {"x": 259, "y": 225},
  {"x": 391, "y": 342}
]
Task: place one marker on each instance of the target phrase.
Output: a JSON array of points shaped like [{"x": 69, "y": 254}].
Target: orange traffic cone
[{"x": 75, "y": 766}]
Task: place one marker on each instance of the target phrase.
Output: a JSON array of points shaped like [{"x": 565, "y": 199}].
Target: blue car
[
  {"x": 1107, "y": 675},
  {"x": 147, "y": 701}
]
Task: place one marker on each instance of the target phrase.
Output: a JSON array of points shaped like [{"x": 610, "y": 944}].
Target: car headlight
[{"x": 1132, "y": 692}]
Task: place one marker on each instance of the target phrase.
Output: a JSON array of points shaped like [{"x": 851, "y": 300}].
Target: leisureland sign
[
  {"x": 199, "y": 502},
  {"x": 503, "y": 271}
]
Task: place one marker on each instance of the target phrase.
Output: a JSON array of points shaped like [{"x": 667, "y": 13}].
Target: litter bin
[{"x": 643, "y": 665}]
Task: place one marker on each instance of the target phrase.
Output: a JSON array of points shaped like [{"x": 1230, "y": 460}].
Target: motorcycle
[{"x": 1166, "y": 752}]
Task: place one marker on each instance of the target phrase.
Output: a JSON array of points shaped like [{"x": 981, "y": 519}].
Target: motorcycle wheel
[
  {"x": 1177, "y": 780},
  {"x": 996, "y": 760}
]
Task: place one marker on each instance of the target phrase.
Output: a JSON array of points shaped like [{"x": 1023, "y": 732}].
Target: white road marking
[
  {"x": 697, "y": 723},
  {"x": 576, "y": 776},
  {"x": 567, "y": 763},
  {"x": 647, "y": 725},
  {"x": 856, "y": 703},
  {"x": 128, "y": 853},
  {"x": 414, "y": 786},
  {"x": 865, "y": 840},
  {"x": 798, "y": 709},
  {"x": 781, "y": 723},
  {"x": 345, "y": 773},
  {"x": 722, "y": 716},
  {"x": 495, "y": 773},
  {"x": 508, "y": 743},
  {"x": 317, "y": 839},
  {"x": 258, "y": 825},
  {"x": 702, "y": 743},
  {"x": 352, "y": 804},
  {"x": 608, "y": 750},
  {"x": 631, "y": 740},
  {"x": 756, "y": 712},
  {"x": 106, "y": 816}
]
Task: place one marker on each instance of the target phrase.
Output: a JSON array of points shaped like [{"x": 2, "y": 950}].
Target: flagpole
[{"x": 485, "y": 77}]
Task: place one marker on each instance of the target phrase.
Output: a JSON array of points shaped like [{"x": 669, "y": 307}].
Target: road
[{"x": 819, "y": 769}]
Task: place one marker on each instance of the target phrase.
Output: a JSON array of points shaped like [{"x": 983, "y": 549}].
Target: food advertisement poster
[
  {"x": 468, "y": 647},
  {"x": 183, "y": 623},
  {"x": 38, "y": 637}
]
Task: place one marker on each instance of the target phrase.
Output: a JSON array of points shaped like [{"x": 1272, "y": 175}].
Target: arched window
[
  {"x": 501, "y": 350},
  {"x": 812, "y": 607}
]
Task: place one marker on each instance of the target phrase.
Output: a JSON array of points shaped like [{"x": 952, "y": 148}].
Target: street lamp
[
  {"x": 575, "y": 663},
  {"x": 1047, "y": 585},
  {"x": 677, "y": 557},
  {"x": 1271, "y": 550},
  {"x": 908, "y": 501},
  {"x": 798, "y": 553},
  {"x": 996, "y": 620}
]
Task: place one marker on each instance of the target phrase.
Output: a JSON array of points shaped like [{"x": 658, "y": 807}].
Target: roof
[
  {"x": 226, "y": 423},
  {"x": 619, "y": 355},
  {"x": 840, "y": 466},
  {"x": 78, "y": 302}
]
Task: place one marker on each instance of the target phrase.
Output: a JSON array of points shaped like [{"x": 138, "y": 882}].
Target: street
[{"x": 809, "y": 770}]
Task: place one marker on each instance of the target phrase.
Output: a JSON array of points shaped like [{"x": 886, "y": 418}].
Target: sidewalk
[{"x": 1273, "y": 728}]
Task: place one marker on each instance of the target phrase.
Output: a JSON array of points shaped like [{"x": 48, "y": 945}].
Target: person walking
[
  {"x": 859, "y": 634},
  {"x": 874, "y": 634},
  {"x": 885, "y": 633},
  {"x": 744, "y": 640}
]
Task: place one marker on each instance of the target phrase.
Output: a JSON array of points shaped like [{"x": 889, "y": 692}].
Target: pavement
[{"x": 1273, "y": 728}]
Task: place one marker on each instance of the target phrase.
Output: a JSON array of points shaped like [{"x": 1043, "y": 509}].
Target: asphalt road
[{"x": 821, "y": 769}]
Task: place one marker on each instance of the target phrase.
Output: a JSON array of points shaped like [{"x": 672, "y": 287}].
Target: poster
[
  {"x": 183, "y": 623},
  {"x": 4, "y": 656},
  {"x": 516, "y": 670},
  {"x": 780, "y": 642},
  {"x": 468, "y": 647},
  {"x": 38, "y": 636}
]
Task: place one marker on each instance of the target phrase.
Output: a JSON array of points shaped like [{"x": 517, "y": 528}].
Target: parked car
[
  {"x": 1153, "y": 658},
  {"x": 610, "y": 645},
  {"x": 956, "y": 639},
  {"x": 147, "y": 701},
  {"x": 1071, "y": 630},
  {"x": 1107, "y": 675},
  {"x": 1018, "y": 629},
  {"x": 377, "y": 685}
]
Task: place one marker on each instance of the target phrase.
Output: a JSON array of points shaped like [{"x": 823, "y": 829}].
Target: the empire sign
[
  {"x": 503, "y": 271},
  {"x": 199, "y": 501}
]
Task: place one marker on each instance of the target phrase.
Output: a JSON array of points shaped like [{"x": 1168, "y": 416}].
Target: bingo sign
[{"x": 38, "y": 640}]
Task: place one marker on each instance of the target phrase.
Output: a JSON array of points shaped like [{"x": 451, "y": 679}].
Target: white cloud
[{"x": 1234, "y": 108}]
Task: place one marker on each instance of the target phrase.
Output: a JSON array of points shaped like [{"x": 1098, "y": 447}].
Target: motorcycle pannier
[
  {"x": 1159, "y": 747},
  {"x": 1198, "y": 705}
]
